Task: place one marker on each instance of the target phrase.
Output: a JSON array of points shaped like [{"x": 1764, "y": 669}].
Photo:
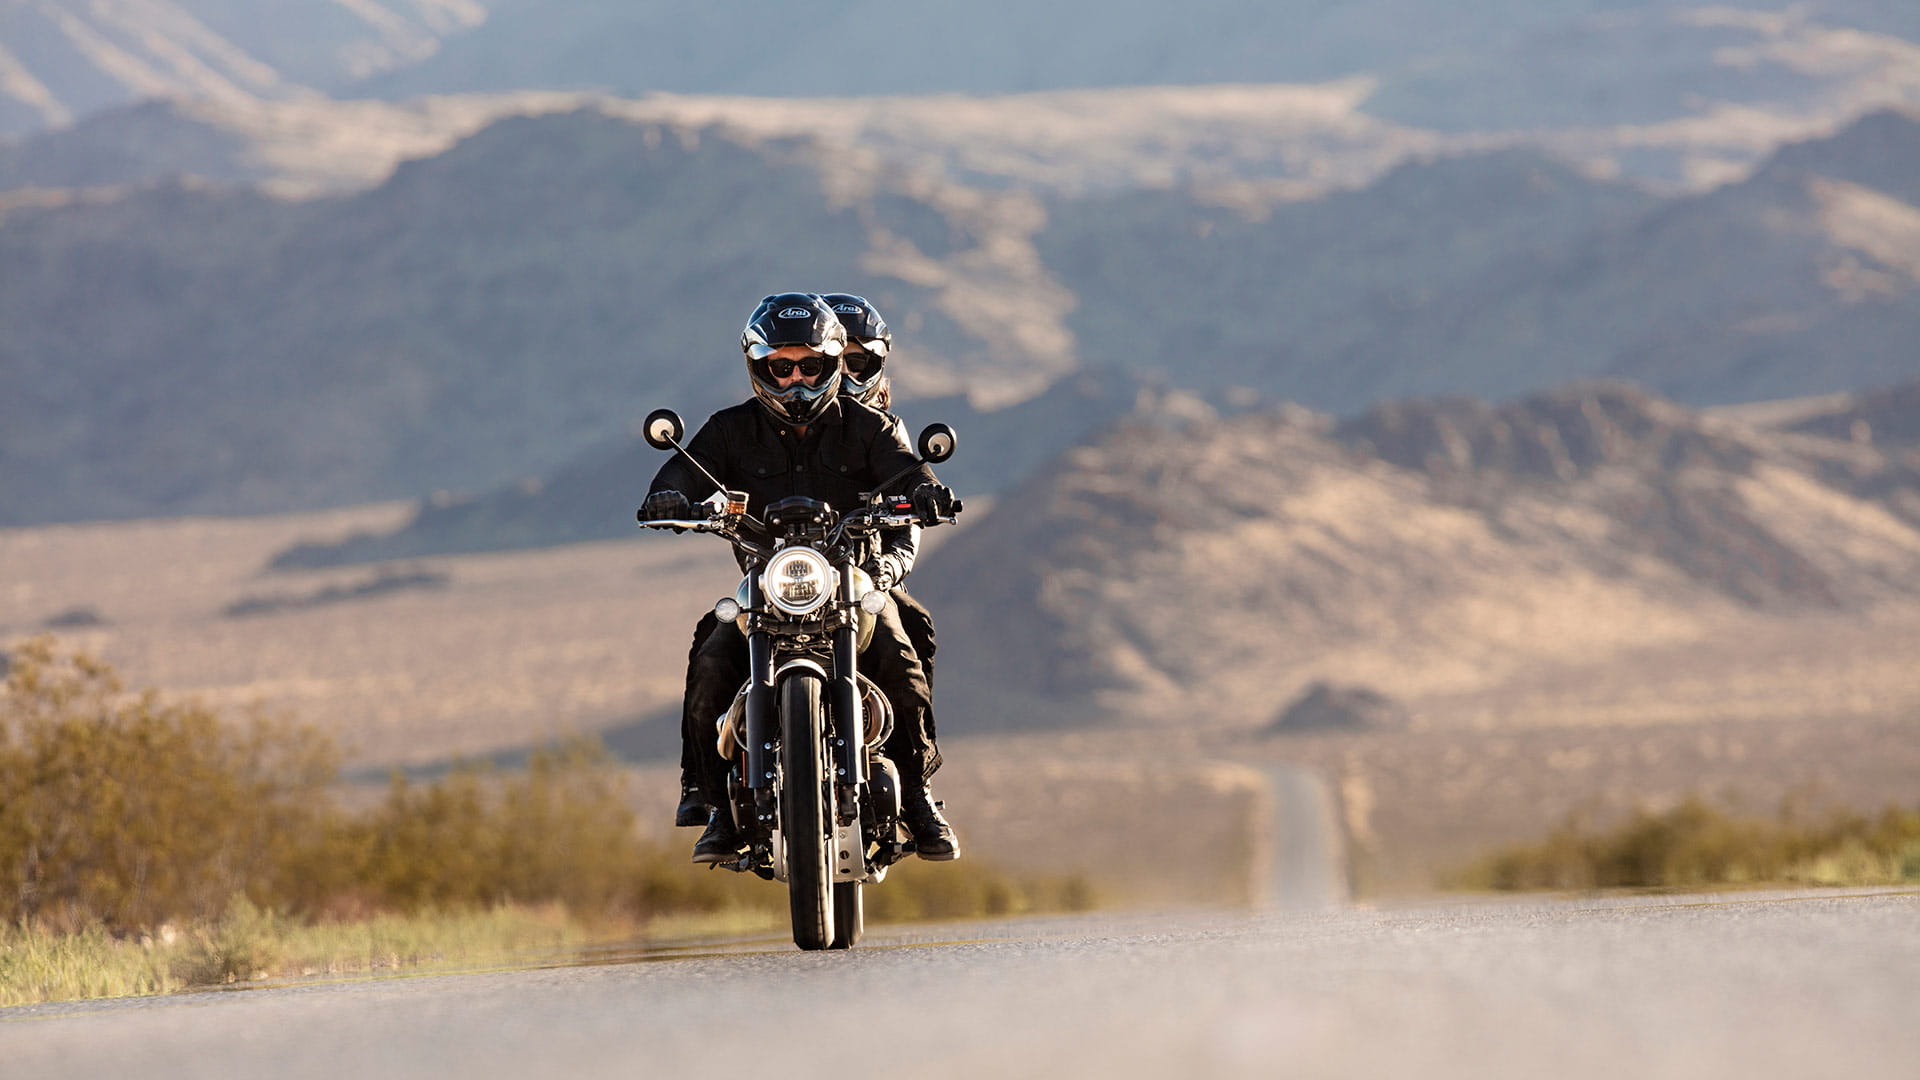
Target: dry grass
[{"x": 38, "y": 964}]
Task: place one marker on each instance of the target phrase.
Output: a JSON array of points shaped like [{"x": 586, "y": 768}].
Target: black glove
[
  {"x": 665, "y": 506},
  {"x": 934, "y": 501},
  {"x": 885, "y": 572}
]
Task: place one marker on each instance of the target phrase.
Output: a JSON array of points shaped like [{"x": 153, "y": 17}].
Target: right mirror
[{"x": 937, "y": 443}]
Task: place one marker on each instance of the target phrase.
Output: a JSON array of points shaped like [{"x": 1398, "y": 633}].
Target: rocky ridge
[{"x": 1425, "y": 547}]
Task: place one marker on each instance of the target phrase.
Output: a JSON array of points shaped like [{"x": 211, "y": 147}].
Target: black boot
[
  {"x": 933, "y": 838},
  {"x": 720, "y": 843},
  {"x": 692, "y": 810}
]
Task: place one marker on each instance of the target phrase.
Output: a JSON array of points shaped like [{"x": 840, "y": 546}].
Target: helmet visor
[{"x": 759, "y": 350}]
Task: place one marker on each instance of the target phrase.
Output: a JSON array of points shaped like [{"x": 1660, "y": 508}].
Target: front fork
[
  {"x": 848, "y": 725},
  {"x": 760, "y": 718}
]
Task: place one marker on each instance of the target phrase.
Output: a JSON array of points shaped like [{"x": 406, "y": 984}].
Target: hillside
[
  {"x": 61, "y": 61},
  {"x": 593, "y": 497},
  {"x": 296, "y": 148},
  {"x": 1505, "y": 65},
  {"x": 501, "y": 308},
  {"x": 484, "y": 314},
  {"x": 1429, "y": 549},
  {"x": 1677, "y": 91},
  {"x": 1501, "y": 273}
]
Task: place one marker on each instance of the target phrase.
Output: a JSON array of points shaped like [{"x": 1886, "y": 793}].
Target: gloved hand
[
  {"x": 934, "y": 501},
  {"x": 665, "y": 506},
  {"x": 885, "y": 572}
]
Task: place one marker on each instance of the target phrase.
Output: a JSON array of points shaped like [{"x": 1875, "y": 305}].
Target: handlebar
[{"x": 693, "y": 524}]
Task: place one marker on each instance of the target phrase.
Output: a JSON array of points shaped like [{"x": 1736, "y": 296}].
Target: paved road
[
  {"x": 1308, "y": 850},
  {"x": 1802, "y": 985}
]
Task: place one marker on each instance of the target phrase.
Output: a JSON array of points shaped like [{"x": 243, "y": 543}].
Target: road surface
[{"x": 1737, "y": 986}]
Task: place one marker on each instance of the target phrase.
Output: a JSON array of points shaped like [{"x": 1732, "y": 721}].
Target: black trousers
[{"x": 893, "y": 659}]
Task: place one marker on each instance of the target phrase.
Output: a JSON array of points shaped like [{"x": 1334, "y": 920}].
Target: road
[{"x": 1737, "y": 986}]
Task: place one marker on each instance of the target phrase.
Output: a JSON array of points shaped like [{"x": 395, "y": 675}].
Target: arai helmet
[
  {"x": 868, "y": 330},
  {"x": 793, "y": 319}
]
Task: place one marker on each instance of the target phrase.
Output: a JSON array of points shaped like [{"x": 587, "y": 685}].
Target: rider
[
  {"x": 797, "y": 436},
  {"x": 869, "y": 343}
]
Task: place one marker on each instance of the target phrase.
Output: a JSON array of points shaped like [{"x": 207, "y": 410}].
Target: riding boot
[
  {"x": 720, "y": 843},
  {"x": 933, "y": 838},
  {"x": 693, "y": 810}
]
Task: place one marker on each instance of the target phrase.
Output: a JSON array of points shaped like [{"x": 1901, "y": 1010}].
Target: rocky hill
[
  {"x": 592, "y": 498},
  {"x": 1888, "y": 417},
  {"x": 487, "y": 313},
  {"x": 1681, "y": 91},
  {"x": 1500, "y": 273},
  {"x": 292, "y": 148},
  {"x": 1505, "y": 65},
  {"x": 497, "y": 310},
  {"x": 1427, "y": 547},
  {"x": 61, "y": 61}
]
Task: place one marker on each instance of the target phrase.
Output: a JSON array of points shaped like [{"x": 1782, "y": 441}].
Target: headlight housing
[{"x": 798, "y": 580}]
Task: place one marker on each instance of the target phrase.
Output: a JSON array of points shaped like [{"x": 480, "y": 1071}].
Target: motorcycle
[{"x": 809, "y": 790}]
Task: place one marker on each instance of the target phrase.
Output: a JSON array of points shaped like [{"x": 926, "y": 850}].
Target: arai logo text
[{"x": 796, "y": 313}]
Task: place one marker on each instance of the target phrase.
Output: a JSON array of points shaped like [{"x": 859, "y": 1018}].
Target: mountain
[
  {"x": 1505, "y": 65},
  {"x": 292, "y": 148},
  {"x": 1887, "y": 417},
  {"x": 61, "y": 61},
  {"x": 501, "y": 308},
  {"x": 1686, "y": 93},
  {"x": 593, "y": 496},
  {"x": 1499, "y": 273},
  {"x": 1424, "y": 547},
  {"x": 487, "y": 313}
]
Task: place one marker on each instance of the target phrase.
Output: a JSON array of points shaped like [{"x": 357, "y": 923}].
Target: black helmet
[
  {"x": 793, "y": 319},
  {"x": 868, "y": 330}
]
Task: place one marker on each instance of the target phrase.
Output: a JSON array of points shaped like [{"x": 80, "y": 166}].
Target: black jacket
[{"x": 849, "y": 449}]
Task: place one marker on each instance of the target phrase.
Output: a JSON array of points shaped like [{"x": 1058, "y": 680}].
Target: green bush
[
  {"x": 1696, "y": 844},
  {"x": 121, "y": 812},
  {"x": 119, "y": 809}
]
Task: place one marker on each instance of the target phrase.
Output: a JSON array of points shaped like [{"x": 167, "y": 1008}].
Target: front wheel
[{"x": 805, "y": 820}]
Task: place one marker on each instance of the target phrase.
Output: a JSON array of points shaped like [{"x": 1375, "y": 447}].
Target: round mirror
[
  {"x": 663, "y": 428},
  {"x": 937, "y": 443}
]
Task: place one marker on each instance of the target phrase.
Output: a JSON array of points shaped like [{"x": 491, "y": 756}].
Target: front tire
[{"x": 804, "y": 812}]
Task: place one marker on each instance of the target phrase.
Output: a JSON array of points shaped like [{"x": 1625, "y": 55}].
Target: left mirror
[{"x": 663, "y": 429}]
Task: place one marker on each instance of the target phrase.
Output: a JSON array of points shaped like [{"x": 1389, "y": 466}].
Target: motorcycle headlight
[{"x": 798, "y": 580}]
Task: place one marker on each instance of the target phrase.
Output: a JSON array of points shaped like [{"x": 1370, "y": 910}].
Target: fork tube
[
  {"x": 849, "y": 727},
  {"x": 760, "y": 718}
]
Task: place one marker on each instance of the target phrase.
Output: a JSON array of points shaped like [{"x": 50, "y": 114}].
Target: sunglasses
[
  {"x": 859, "y": 364},
  {"x": 780, "y": 367}
]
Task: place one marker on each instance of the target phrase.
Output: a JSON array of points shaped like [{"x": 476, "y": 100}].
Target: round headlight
[
  {"x": 798, "y": 580},
  {"x": 727, "y": 610}
]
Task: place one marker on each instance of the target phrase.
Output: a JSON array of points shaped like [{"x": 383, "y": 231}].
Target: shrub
[
  {"x": 1696, "y": 844},
  {"x": 120, "y": 809},
  {"x": 124, "y": 813}
]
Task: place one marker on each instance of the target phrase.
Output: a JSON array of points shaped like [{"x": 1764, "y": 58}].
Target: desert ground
[{"x": 418, "y": 664}]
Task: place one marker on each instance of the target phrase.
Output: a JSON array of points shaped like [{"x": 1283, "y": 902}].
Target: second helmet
[
  {"x": 793, "y": 319},
  {"x": 867, "y": 329}
]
